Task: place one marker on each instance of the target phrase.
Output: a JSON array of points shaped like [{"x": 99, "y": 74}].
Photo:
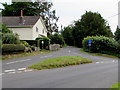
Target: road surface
[{"x": 102, "y": 73}]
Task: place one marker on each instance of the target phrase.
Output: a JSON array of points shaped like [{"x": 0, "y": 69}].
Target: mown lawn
[
  {"x": 13, "y": 56},
  {"x": 117, "y": 85},
  {"x": 60, "y": 62}
]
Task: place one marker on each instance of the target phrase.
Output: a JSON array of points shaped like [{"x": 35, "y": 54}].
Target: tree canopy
[
  {"x": 43, "y": 9},
  {"x": 117, "y": 34},
  {"x": 90, "y": 24},
  {"x": 67, "y": 35},
  {"x": 56, "y": 39}
]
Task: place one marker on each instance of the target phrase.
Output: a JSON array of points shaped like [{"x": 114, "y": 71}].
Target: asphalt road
[{"x": 100, "y": 74}]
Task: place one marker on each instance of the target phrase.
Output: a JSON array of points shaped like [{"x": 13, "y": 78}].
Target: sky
[{"x": 72, "y": 10}]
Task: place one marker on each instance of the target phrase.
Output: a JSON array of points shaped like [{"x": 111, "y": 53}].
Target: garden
[{"x": 12, "y": 47}]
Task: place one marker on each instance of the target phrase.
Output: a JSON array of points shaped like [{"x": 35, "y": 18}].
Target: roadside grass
[
  {"x": 98, "y": 54},
  {"x": 13, "y": 56},
  {"x": 60, "y": 62},
  {"x": 117, "y": 86}
]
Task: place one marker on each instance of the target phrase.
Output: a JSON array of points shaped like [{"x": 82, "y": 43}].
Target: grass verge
[
  {"x": 13, "y": 56},
  {"x": 60, "y": 62},
  {"x": 98, "y": 54},
  {"x": 117, "y": 85}
]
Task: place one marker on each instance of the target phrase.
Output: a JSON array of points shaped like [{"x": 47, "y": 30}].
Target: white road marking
[
  {"x": 1, "y": 74},
  {"x": 12, "y": 70},
  {"x": 97, "y": 62},
  {"x": 21, "y": 69},
  {"x": 46, "y": 56},
  {"x": 28, "y": 70},
  {"x": 19, "y": 72},
  {"x": 50, "y": 56},
  {"x": 113, "y": 61},
  {"x": 69, "y": 51},
  {"x": 101, "y": 62},
  {"x": 41, "y": 57},
  {"x": 19, "y": 61}
]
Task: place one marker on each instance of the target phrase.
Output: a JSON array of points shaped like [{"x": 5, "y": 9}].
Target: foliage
[
  {"x": 10, "y": 38},
  {"x": 31, "y": 42},
  {"x": 99, "y": 54},
  {"x": 60, "y": 62},
  {"x": 12, "y": 48},
  {"x": 56, "y": 39},
  {"x": 25, "y": 43},
  {"x": 90, "y": 24},
  {"x": 101, "y": 44},
  {"x": 94, "y": 24},
  {"x": 5, "y": 29},
  {"x": 42, "y": 9},
  {"x": 117, "y": 34},
  {"x": 46, "y": 42},
  {"x": 116, "y": 86},
  {"x": 67, "y": 35}
]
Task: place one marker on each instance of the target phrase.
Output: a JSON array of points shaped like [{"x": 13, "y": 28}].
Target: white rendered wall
[
  {"x": 40, "y": 27},
  {"x": 24, "y": 33}
]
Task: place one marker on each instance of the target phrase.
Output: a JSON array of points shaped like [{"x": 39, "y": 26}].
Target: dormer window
[{"x": 36, "y": 29}]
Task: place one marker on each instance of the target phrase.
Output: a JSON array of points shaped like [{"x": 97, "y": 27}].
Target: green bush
[
  {"x": 57, "y": 39},
  {"x": 32, "y": 42},
  {"x": 12, "y": 48},
  {"x": 46, "y": 42},
  {"x": 25, "y": 43},
  {"x": 101, "y": 44},
  {"x": 10, "y": 38}
]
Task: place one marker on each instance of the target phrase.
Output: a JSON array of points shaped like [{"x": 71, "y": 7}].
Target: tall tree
[
  {"x": 90, "y": 24},
  {"x": 43, "y": 9},
  {"x": 117, "y": 34},
  {"x": 67, "y": 35}
]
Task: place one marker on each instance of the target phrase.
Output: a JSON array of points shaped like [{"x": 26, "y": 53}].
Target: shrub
[
  {"x": 12, "y": 48},
  {"x": 46, "y": 41},
  {"x": 10, "y": 38},
  {"x": 32, "y": 42},
  {"x": 101, "y": 44},
  {"x": 25, "y": 43},
  {"x": 56, "y": 39}
]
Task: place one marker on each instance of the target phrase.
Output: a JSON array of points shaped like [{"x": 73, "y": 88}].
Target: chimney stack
[{"x": 21, "y": 17}]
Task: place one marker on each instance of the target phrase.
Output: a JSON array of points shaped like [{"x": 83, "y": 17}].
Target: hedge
[
  {"x": 101, "y": 44},
  {"x": 46, "y": 42},
  {"x": 12, "y": 48}
]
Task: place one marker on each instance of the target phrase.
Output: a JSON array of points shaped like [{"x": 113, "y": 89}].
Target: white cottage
[{"x": 27, "y": 27}]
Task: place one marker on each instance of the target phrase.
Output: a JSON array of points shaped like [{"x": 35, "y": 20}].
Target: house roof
[{"x": 18, "y": 21}]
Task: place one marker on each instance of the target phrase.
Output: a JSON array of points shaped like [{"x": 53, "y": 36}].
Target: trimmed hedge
[
  {"x": 101, "y": 44},
  {"x": 12, "y": 48},
  {"x": 46, "y": 42}
]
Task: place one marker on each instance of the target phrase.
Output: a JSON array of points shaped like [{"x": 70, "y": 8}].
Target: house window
[{"x": 36, "y": 29}]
